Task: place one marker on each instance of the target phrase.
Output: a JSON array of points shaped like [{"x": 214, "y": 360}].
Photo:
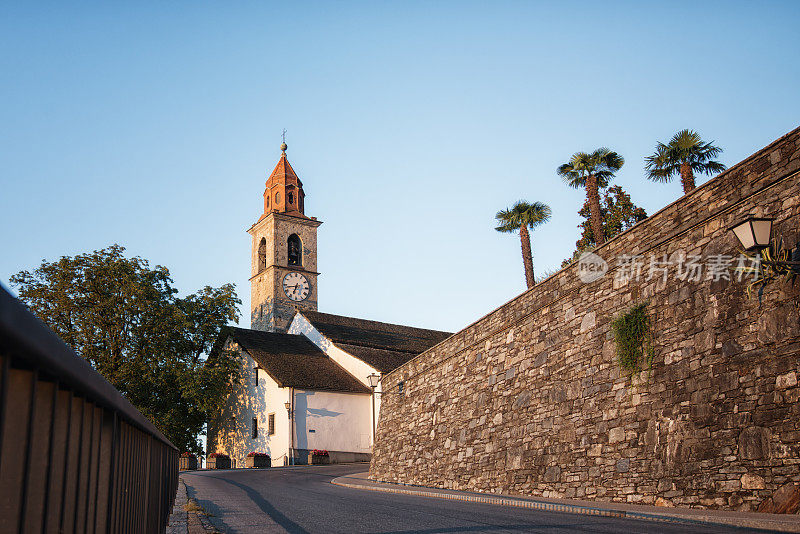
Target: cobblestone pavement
[
  {"x": 178, "y": 519},
  {"x": 301, "y": 500}
]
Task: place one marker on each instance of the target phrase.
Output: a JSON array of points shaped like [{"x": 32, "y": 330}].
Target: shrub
[
  {"x": 188, "y": 455},
  {"x": 218, "y": 455},
  {"x": 318, "y": 452},
  {"x": 633, "y": 335},
  {"x": 258, "y": 455}
]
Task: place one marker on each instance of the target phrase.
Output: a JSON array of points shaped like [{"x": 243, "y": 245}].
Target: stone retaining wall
[{"x": 531, "y": 400}]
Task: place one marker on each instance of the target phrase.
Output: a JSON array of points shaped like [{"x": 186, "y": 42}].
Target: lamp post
[
  {"x": 289, "y": 411},
  {"x": 373, "y": 379}
]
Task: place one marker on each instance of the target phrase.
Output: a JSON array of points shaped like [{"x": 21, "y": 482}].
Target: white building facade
[{"x": 318, "y": 365}]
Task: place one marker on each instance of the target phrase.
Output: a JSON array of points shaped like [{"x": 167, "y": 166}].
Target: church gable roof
[
  {"x": 384, "y": 346},
  {"x": 294, "y": 361}
]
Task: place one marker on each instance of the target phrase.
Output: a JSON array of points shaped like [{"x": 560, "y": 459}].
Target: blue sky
[{"x": 155, "y": 125}]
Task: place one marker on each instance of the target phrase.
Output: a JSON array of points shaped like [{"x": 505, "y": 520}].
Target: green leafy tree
[
  {"x": 592, "y": 171},
  {"x": 126, "y": 320},
  {"x": 684, "y": 155},
  {"x": 618, "y": 212},
  {"x": 518, "y": 219}
]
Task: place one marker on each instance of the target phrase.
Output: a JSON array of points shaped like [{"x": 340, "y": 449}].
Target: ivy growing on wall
[{"x": 633, "y": 335}]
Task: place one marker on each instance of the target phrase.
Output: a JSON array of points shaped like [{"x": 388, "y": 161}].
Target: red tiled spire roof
[
  {"x": 283, "y": 170},
  {"x": 284, "y": 190}
]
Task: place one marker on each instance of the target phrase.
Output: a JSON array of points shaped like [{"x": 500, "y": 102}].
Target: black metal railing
[{"x": 75, "y": 456}]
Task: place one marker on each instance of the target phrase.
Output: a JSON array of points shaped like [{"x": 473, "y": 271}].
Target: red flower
[
  {"x": 218, "y": 455},
  {"x": 188, "y": 455},
  {"x": 318, "y": 452},
  {"x": 258, "y": 455}
]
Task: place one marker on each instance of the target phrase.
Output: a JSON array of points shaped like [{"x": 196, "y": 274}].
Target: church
[{"x": 309, "y": 380}]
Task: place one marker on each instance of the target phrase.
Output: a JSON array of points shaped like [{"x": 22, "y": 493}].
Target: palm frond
[
  {"x": 602, "y": 163},
  {"x": 507, "y": 221},
  {"x": 685, "y": 147},
  {"x": 522, "y": 213},
  {"x": 571, "y": 176},
  {"x": 710, "y": 167}
]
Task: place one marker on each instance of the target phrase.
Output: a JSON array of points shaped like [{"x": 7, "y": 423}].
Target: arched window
[
  {"x": 267, "y": 201},
  {"x": 295, "y": 250},
  {"x": 278, "y": 197},
  {"x": 262, "y": 255},
  {"x": 290, "y": 197}
]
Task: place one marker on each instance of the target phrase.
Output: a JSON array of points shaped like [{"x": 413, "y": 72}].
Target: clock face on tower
[{"x": 296, "y": 287}]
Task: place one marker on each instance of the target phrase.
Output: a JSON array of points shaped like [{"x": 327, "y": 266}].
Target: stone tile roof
[
  {"x": 384, "y": 346},
  {"x": 294, "y": 361}
]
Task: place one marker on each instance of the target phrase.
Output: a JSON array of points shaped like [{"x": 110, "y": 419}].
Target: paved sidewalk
[
  {"x": 774, "y": 522},
  {"x": 178, "y": 518},
  {"x": 186, "y": 516}
]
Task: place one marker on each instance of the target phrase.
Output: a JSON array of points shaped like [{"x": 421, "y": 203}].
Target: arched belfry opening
[
  {"x": 262, "y": 254},
  {"x": 295, "y": 248}
]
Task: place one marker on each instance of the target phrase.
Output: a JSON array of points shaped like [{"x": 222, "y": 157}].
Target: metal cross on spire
[{"x": 284, "y": 146}]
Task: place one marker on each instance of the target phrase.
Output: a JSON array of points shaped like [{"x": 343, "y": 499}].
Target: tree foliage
[
  {"x": 618, "y": 213},
  {"x": 684, "y": 155},
  {"x": 128, "y": 322}
]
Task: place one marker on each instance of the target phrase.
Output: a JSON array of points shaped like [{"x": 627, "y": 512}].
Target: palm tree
[
  {"x": 519, "y": 218},
  {"x": 592, "y": 171},
  {"x": 684, "y": 155}
]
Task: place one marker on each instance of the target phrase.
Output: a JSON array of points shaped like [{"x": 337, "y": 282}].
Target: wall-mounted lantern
[
  {"x": 290, "y": 456},
  {"x": 754, "y": 233},
  {"x": 772, "y": 261},
  {"x": 373, "y": 380}
]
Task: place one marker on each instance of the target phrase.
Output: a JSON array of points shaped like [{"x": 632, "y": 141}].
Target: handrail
[
  {"x": 27, "y": 335},
  {"x": 75, "y": 455}
]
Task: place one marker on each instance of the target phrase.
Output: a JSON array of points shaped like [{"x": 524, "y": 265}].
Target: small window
[
  {"x": 255, "y": 428},
  {"x": 262, "y": 254},
  {"x": 271, "y": 427},
  {"x": 278, "y": 197},
  {"x": 295, "y": 250},
  {"x": 400, "y": 387},
  {"x": 290, "y": 197},
  {"x": 255, "y": 373},
  {"x": 267, "y": 201}
]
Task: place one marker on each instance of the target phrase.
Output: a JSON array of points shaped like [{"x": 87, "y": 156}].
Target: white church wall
[
  {"x": 356, "y": 367},
  {"x": 333, "y": 421},
  {"x": 232, "y": 431},
  {"x": 277, "y": 443}
]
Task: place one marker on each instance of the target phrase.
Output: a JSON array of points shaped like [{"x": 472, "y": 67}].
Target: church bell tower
[{"x": 284, "y": 253}]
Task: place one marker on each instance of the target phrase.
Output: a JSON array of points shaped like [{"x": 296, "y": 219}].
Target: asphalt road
[{"x": 302, "y": 500}]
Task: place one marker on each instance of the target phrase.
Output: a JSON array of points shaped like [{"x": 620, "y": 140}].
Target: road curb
[{"x": 763, "y": 524}]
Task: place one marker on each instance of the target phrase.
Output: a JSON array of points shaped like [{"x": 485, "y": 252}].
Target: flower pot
[
  {"x": 257, "y": 462},
  {"x": 187, "y": 464},
  {"x": 218, "y": 463},
  {"x": 319, "y": 460}
]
